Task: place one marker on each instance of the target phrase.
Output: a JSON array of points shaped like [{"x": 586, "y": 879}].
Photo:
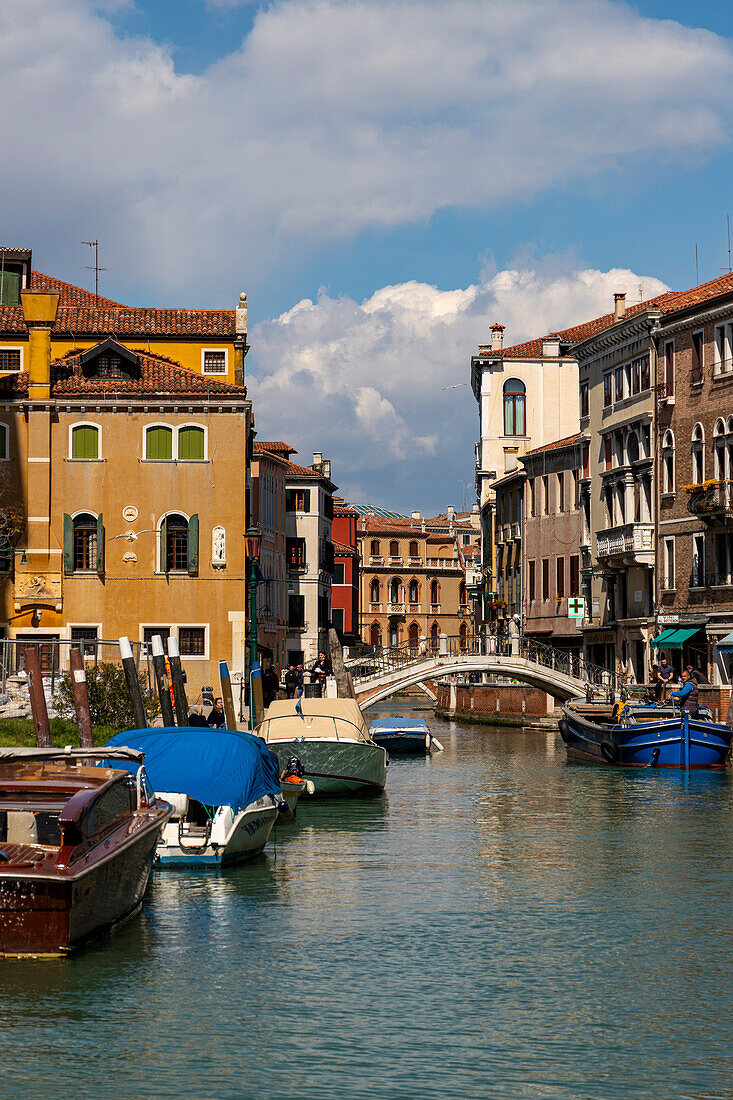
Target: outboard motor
[{"x": 293, "y": 767}]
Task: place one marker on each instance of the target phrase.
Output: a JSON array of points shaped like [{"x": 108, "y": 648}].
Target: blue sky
[{"x": 384, "y": 178}]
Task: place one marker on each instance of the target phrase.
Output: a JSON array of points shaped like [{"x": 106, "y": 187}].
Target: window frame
[
  {"x": 86, "y": 570},
  {"x": 13, "y": 347},
  {"x": 669, "y": 565},
  {"x": 697, "y": 349},
  {"x": 215, "y": 373},
  {"x": 513, "y": 399},
  {"x": 669, "y": 367},
  {"x": 608, "y": 389},
  {"x": 584, "y": 400},
  {"x": 85, "y": 424},
  {"x": 159, "y": 424},
  {"x": 193, "y": 626},
  {"x": 5, "y": 451},
  {"x": 177, "y": 449}
]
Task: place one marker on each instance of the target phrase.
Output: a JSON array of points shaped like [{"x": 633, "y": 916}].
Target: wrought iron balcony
[
  {"x": 711, "y": 500},
  {"x": 631, "y": 541}
]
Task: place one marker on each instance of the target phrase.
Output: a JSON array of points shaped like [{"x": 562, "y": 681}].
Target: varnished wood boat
[{"x": 76, "y": 846}]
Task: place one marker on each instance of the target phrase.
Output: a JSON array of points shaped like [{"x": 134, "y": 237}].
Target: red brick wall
[{"x": 481, "y": 699}]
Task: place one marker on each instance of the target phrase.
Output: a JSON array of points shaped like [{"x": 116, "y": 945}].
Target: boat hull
[
  {"x": 232, "y": 841},
  {"x": 678, "y": 743},
  {"x": 336, "y": 767},
  {"x": 403, "y": 744}
]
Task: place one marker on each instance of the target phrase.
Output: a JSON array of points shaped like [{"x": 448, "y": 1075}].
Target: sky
[{"x": 384, "y": 178}]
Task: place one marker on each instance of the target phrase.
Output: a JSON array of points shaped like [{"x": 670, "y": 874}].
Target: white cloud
[
  {"x": 363, "y": 381},
  {"x": 331, "y": 118}
]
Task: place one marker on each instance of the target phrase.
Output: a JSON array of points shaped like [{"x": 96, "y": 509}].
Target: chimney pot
[
  {"x": 619, "y": 306},
  {"x": 497, "y": 336},
  {"x": 317, "y": 458}
]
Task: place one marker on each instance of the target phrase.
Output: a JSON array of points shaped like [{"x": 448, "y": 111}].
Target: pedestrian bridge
[{"x": 382, "y": 671}]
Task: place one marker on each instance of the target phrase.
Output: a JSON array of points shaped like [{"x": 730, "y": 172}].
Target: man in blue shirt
[{"x": 687, "y": 695}]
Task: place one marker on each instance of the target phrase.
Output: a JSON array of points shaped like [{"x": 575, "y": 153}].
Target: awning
[
  {"x": 674, "y": 637},
  {"x": 725, "y": 645}
]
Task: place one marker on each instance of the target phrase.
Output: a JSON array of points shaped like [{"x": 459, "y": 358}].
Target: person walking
[{"x": 291, "y": 682}]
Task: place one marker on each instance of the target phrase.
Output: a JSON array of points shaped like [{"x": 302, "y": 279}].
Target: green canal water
[{"x": 498, "y": 924}]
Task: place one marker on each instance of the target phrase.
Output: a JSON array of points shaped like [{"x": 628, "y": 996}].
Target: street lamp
[{"x": 254, "y": 545}]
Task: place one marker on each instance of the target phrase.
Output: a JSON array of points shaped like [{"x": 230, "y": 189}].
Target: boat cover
[
  {"x": 399, "y": 722},
  {"x": 218, "y": 767},
  {"x": 286, "y": 719}
]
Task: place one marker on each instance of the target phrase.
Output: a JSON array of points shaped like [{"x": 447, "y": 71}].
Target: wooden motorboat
[
  {"x": 76, "y": 846},
  {"x": 402, "y": 736},
  {"x": 643, "y": 734},
  {"x": 331, "y": 740}
]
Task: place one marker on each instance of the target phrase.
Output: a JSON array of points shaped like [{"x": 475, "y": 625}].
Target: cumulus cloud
[
  {"x": 364, "y": 382},
  {"x": 329, "y": 119}
]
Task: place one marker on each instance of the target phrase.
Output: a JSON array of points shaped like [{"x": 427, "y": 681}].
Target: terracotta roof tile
[
  {"x": 554, "y": 446},
  {"x": 340, "y": 548},
  {"x": 274, "y": 446}
]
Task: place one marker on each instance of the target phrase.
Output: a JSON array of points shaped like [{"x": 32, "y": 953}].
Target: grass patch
[{"x": 20, "y": 732}]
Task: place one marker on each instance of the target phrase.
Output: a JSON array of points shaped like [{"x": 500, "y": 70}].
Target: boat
[
  {"x": 403, "y": 736},
  {"x": 224, "y": 788},
  {"x": 76, "y": 846},
  {"x": 331, "y": 739},
  {"x": 643, "y": 734}
]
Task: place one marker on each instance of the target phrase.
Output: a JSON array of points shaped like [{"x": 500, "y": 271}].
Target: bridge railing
[{"x": 381, "y": 660}]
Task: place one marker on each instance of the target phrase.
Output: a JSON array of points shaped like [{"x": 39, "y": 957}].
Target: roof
[
  {"x": 157, "y": 376},
  {"x": 275, "y": 446},
  {"x": 557, "y": 445},
  {"x": 340, "y": 548},
  {"x": 406, "y": 523},
  {"x": 371, "y": 510},
  {"x": 81, "y": 312}
]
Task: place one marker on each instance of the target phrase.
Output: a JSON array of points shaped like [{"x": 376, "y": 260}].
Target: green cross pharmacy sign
[{"x": 576, "y": 608}]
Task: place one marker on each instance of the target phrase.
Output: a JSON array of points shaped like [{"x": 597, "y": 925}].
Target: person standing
[
  {"x": 291, "y": 682},
  {"x": 270, "y": 685},
  {"x": 665, "y": 673},
  {"x": 687, "y": 694}
]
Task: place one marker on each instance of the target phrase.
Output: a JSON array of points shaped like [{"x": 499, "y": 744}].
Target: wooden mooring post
[
  {"x": 38, "y": 698},
  {"x": 161, "y": 681},
  {"x": 133, "y": 684},
  {"x": 81, "y": 697},
  {"x": 179, "y": 691}
]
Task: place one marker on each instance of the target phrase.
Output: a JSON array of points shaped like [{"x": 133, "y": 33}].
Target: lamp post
[{"x": 254, "y": 544}]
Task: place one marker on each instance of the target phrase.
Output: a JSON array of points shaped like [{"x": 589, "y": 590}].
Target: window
[
  {"x": 10, "y": 359},
  {"x": 669, "y": 562},
  {"x": 110, "y": 805},
  {"x": 435, "y": 592},
  {"x": 618, "y": 376},
  {"x": 545, "y": 578},
  {"x": 6, "y": 554},
  {"x": 324, "y": 613},
  {"x": 395, "y": 590},
  {"x": 176, "y": 544},
  {"x": 85, "y": 442},
  {"x": 214, "y": 362},
  {"x": 561, "y": 491},
  {"x": 374, "y": 548},
  {"x": 414, "y": 592},
  {"x": 696, "y": 374},
  {"x": 10, "y": 283},
  {"x": 586, "y": 460},
  {"x": 584, "y": 403},
  {"x": 723, "y": 348},
  {"x": 374, "y": 591},
  {"x": 546, "y": 495},
  {"x": 669, "y": 368},
  {"x": 4, "y": 442},
  {"x": 514, "y": 407},
  {"x": 532, "y": 580},
  {"x": 85, "y": 543},
  {"x": 560, "y": 577},
  {"x": 394, "y": 550},
  {"x": 191, "y": 444},
  {"x": 337, "y": 618},
  {"x": 159, "y": 443},
  {"x": 723, "y": 559},
  {"x": 375, "y": 635},
  {"x": 697, "y": 579},
  {"x": 86, "y": 638},
  {"x": 295, "y": 553},
  {"x": 297, "y": 500},
  {"x": 414, "y": 552},
  {"x": 150, "y": 632},
  {"x": 574, "y": 575},
  {"x": 296, "y": 612},
  {"x": 109, "y": 366},
  {"x": 575, "y": 476},
  {"x": 532, "y": 497},
  {"x": 645, "y": 373},
  {"x": 698, "y": 454},
  {"x": 608, "y": 452},
  {"x": 192, "y": 641},
  {"x": 339, "y": 573},
  {"x": 668, "y": 462},
  {"x": 607, "y": 390}
]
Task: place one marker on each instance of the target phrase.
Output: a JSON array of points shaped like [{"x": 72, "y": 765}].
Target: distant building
[
  {"x": 268, "y": 481},
  {"x": 345, "y": 587}
]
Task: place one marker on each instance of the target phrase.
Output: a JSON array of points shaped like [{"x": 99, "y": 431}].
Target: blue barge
[
  {"x": 402, "y": 736},
  {"x": 643, "y": 735}
]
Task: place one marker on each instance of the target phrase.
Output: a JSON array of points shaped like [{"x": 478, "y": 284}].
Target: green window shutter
[
  {"x": 85, "y": 442},
  {"x": 193, "y": 545},
  {"x": 68, "y": 544},
  {"x": 100, "y": 545},
  {"x": 164, "y": 546},
  {"x": 191, "y": 444},
  {"x": 9, "y": 288},
  {"x": 307, "y": 501},
  {"x": 159, "y": 443}
]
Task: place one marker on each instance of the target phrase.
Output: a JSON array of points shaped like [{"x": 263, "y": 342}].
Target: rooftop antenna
[
  {"x": 95, "y": 268},
  {"x": 728, "y": 220},
  {"x": 697, "y": 272}
]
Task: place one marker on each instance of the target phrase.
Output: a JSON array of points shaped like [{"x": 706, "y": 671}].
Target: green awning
[
  {"x": 725, "y": 645},
  {"x": 675, "y": 637}
]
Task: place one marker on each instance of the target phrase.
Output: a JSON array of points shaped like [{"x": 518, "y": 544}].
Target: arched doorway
[
  {"x": 434, "y": 635},
  {"x": 414, "y": 637},
  {"x": 375, "y": 635}
]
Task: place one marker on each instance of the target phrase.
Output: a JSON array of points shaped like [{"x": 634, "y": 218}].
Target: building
[
  {"x": 551, "y": 541},
  {"x": 212, "y": 342},
  {"x": 413, "y": 577},
  {"x": 268, "y": 482},
  {"x": 508, "y": 515},
  {"x": 345, "y": 587},
  {"x": 128, "y": 472}
]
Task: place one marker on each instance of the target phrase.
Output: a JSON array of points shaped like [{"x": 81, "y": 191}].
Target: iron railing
[{"x": 53, "y": 656}]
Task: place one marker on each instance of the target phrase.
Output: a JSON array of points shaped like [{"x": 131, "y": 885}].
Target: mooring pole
[
  {"x": 161, "y": 680},
  {"x": 38, "y": 699},
  {"x": 179, "y": 691},
  {"x": 133, "y": 684},
  {"x": 81, "y": 698},
  {"x": 226, "y": 695}
]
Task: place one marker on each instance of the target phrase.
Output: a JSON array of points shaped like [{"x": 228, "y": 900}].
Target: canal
[{"x": 498, "y": 924}]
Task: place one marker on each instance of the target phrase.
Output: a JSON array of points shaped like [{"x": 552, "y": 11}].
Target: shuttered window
[
  {"x": 85, "y": 442},
  {"x": 191, "y": 444},
  {"x": 159, "y": 443}
]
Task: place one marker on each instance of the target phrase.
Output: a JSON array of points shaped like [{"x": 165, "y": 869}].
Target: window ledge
[
  {"x": 722, "y": 376},
  {"x": 668, "y": 591},
  {"x": 86, "y": 460},
  {"x": 697, "y": 383},
  {"x": 669, "y": 496},
  {"x": 171, "y": 461}
]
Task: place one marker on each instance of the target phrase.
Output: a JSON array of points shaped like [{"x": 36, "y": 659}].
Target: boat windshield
[{"x": 282, "y": 727}]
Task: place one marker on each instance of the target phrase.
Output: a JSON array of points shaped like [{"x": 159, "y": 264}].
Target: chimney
[
  {"x": 619, "y": 306},
  {"x": 551, "y": 347},
  {"x": 326, "y": 468},
  {"x": 451, "y": 513},
  {"x": 416, "y": 515},
  {"x": 497, "y": 337},
  {"x": 240, "y": 316},
  {"x": 317, "y": 460},
  {"x": 39, "y": 312}
]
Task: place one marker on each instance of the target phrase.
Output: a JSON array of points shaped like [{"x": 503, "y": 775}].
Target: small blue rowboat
[
  {"x": 644, "y": 735},
  {"x": 403, "y": 736}
]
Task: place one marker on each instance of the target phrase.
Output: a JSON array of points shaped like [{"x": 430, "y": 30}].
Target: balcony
[
  {"x": 711, "y": 501},
  {"x": 414, "y": 608},
  {"x": 394, "y": 560},
  {"x": 719, "y": 580},
  {"x": 414, "y": 561},
  {"x": 516, "y": 531},
  {"x": 629, "y": 544},
  {"x": 375, "y": 608},
  {"x": 435, "y": 609},
  {"x": 376, "y": 559},
  {"x": 396, "y": 609},
  {"x": 443, "y": 563}
]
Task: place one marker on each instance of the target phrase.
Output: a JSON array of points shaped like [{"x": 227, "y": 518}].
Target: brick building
[{"x": 268, "y": 485}]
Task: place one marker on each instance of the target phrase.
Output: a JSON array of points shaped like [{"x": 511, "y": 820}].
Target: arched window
[
  {"x": 414, "y": 637},
  {"x": 375, "y": 635},
  {"x": 394, "y": 549},
  {"x": 414, "y": 591},
  {"x": 698, "y": 454},
  {"x": 668, "y": 462},
  {"x": 374, "y": 548},
  {"x": 84, "y": 441},
  {"x": 179, "y": 544},
  {"x": 719, "y": 449},
  {"x": 514, "y": 407},
  {"x": 462, "y": 593},
  {"x": 435, "y": 592},
  {"x": 395, "y": 590},
  {"x": 374, "y": 591},
  {"x": 414, "y": 552},
  {"x": 85, "y": 543},
  {"x": 434, "y": 634},
  {"x": 632, "y": 447},
  {"x": 191, "y": 444},
  {"x": 159, "y": 443}
]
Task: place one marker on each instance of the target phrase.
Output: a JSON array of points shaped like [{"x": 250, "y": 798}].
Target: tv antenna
[
  {"x": 95, "y": 267},
  {"x": 729, "y": 265},
  {"x": 697, "y": 271}
]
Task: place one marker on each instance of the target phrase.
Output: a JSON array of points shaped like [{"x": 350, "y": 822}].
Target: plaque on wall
[{"x": 129, "y": 513}]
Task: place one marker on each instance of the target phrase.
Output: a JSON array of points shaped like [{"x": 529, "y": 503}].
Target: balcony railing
[
  {"x": 414, "y": 608},
  {"x": 396, "y": 560},
  {"x": 396, "y": 609},
  {"x": 414, "y": 561},
  {"x": 711, "y": 500},
  {"x": 629, "y": 538},
  {"x": 375, "y": 608},
  {"x": 516, "y": 530},
  {"x": 719, "y": 580},
  {"x": 435, "y": 609},
  {"x": 376, "y": 559},
  {"x": 443, "y": 563}
]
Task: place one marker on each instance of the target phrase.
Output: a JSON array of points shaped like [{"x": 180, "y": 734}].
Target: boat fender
[
  {"x": 655, "y": 757},
  {"x": 609, "y": 752},
  {"x": 564, "y": 731},
  {"x": 435, "y": 744},
  {"x": 310, "y": 786}
]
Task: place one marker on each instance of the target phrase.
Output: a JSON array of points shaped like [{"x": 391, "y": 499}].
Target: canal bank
[{"x": 512, "y": 706}]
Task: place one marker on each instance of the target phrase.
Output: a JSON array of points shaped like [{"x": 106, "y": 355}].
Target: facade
[
  {"x": 508, "y": 515},
  {"x": 268, "y": 477},
  {"x": 551, "y": 540},
  {"x": 128, "y": 472},
  {"x": 413, "y": 577},
  {"x": 212, "y": 342},
  {"x": 345, "y": 587}
]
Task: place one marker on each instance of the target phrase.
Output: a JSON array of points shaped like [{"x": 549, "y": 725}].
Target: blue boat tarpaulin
[{"x": 216, "y": 767}]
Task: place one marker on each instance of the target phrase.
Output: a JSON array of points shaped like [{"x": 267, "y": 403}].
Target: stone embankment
[{"x": 513, "y": 705}]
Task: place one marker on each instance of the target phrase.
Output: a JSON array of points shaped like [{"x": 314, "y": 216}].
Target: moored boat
[
  {"x": 644, "y": 734},
  {"x": 223, "y": 785},
  {"x": 331, "y": 739},
  {"x": 403, "y": 736},
  {"x": 76, "y": 846}
]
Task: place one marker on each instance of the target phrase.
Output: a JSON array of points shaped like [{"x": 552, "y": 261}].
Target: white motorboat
[
  {"x": 194, "y": 836},
  {"x": 331, "y": 739}
]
